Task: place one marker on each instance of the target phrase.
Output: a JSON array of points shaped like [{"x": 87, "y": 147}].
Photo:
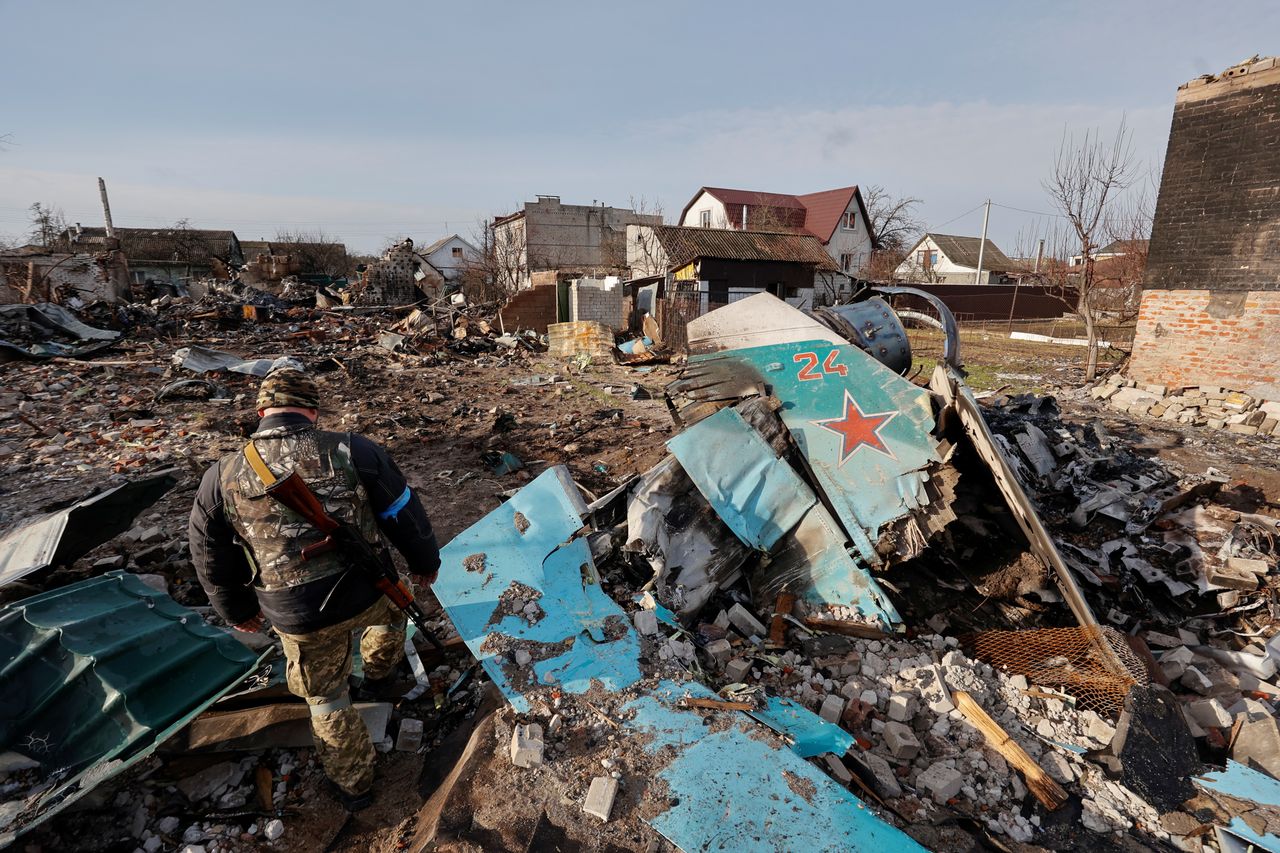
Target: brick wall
[
  {"x": 597, "y": 302},
  {"x": 1203, "y": 337},
  {"x": 1210, "y": 312},
  {"x": 532, "y": 308}
]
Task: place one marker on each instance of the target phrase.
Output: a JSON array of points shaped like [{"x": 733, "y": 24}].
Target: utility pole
[
  {"x": 977, "y": 276},
  {"x": 106, "y": 207}
]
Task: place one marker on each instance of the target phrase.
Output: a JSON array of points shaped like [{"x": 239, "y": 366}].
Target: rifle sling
[{"x": 259, "y": 466}]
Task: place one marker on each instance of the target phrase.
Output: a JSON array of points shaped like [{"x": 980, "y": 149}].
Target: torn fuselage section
[{"x": 795, "y": 432}]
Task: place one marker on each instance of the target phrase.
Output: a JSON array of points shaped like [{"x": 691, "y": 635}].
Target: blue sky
[{"x": 372, "y": 120}]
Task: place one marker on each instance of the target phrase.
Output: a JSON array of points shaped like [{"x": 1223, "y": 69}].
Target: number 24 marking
[{"x": 810, "y": 361}]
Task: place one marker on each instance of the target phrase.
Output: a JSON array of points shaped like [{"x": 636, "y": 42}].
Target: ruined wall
[
  {"x": 599, "y": 301},
  {"x": 1205, "y": 337},
  {"x": 1210, "y": 312}
]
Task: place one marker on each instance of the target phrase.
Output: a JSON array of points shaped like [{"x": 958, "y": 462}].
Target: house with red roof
[{"x": 838, "y": 218}]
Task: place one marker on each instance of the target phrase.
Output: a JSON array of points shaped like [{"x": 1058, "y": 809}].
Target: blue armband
[{"x": 394, "y": 510}]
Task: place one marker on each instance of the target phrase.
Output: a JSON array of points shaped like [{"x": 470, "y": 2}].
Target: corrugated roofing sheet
[
  {"x": 684, "y": 245},
  {"x": 96, "y": 674}
]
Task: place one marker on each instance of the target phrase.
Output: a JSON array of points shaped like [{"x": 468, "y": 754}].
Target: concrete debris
[
  {"x": 526, "y": 745},
  {"x": 600, "y": 797}
]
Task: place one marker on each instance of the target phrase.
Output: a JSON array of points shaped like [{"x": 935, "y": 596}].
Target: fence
[{"x": 675, "y": 310}]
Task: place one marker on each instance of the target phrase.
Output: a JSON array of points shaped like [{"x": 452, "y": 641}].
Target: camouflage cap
[{"x": 289, "y": 387}]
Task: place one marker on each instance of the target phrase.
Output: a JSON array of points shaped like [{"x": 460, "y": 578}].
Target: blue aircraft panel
[{"x": 863, "y": 429}]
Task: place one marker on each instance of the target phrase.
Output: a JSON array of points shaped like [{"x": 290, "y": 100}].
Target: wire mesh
[{"x": 1069, "y": 659}]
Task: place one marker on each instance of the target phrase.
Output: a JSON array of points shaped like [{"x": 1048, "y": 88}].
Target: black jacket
[{"x": 226, "y": 575}]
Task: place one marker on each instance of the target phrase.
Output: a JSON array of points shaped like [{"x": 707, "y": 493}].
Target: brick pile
[{"x": 1199, "y": 405}]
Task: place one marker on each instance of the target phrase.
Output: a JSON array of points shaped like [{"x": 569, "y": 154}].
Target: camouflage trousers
[{"x": 318, "y": 669}]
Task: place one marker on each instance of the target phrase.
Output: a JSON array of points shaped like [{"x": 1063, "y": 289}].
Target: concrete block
[
  {"x": 737, "y": 669},
  {"x": 832, "y": 708},
  {"x": 886, "y": 784},
  {"x": 836, "y": 768},
  {"x": 1243, "y": 564},
  {"x": 1194, "y": 679},
  {"x": 646, "y": 622},
  {"x": 745, "y": 622},
  {"x": 901, "y": 741},
  {"x": 1057, "y": 766},
  {"x": 719, "y": 651},
  {"x": 942, "y": 782},
  {"x": 902, "y": 707},
  {"x": 1175, "y": 662},
  {"x": 1258, "y": 745},
  {"x": 1209, "y": 713},
  {"x": 409, "y": 736},
  {"x": 526, "y": 745},
  {"x": 600, "y": 797},
  {"x": 1224, "y": 574}
]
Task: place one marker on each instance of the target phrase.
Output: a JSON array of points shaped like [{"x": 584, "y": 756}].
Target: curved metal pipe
[{"x": 951, "y": 332}]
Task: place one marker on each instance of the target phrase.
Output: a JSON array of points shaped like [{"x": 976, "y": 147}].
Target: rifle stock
[{"x": 294, "y": 493}]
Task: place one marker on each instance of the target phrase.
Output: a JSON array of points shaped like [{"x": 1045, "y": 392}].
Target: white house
[
  {"x": 838, "y": 218},
  {"x": 948, "y": 259},
  {"x": 449, "y": 256}
]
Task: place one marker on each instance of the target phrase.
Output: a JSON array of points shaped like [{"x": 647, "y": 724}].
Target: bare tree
[
  {"x": 892, "y": 219},
  {"x": 1088, "y": 178},
  {"x": 47, "y": 222},
  {"x": 316, "y": 252}
]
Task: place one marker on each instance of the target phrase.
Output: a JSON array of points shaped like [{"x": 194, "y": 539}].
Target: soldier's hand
[
  {"x": 251, "y": 626},
  {"x": 424, "y": 580}
]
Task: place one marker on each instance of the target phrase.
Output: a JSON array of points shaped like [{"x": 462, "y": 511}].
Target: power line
[{"x": 978, "y": 206}]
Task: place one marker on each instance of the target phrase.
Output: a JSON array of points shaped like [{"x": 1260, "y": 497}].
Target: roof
[
  {"x": 685, "y": 244},
  {"x": 824, "y": 210},
  {"x": 161, "y": 244},
  {"x": 1122, "y": 247},
  {"x": 817, "y": 213},
  {"x": 963, "y": 251},
  {"x": 439, "y": 244},
  {"x": 252, "y": 248}
]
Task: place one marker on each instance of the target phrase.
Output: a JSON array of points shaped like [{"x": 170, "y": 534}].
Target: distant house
[
  {"x": 724, "y": 265},
  {"x": 1115, "y": 249},
  {"x": 549, "y": 236},
  {"x": 450, "y": 256},
  {"x": 837, "y": 218},
  {"x": 35, "y": 274},
  {"x": 171, "y": 256},
  {"x": 949, "y": 259}
]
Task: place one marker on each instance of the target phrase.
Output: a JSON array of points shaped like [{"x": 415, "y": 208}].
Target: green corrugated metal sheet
[{"x": 94, "y": 675}]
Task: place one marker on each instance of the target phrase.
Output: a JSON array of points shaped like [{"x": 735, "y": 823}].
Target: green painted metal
[{"x": 93, "y": 676}]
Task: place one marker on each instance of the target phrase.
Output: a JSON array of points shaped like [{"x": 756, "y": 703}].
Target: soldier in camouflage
[{"x": 247, "y": 551}]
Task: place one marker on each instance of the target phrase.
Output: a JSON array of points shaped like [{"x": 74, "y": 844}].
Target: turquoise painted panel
[
  {"x": 863, "y": 429},
  {"x": 759, "y": 496},
  {"x": 528, "y": 543},
  {"x": 731, "y": 791},
  {"x": 811, "y": 735}
]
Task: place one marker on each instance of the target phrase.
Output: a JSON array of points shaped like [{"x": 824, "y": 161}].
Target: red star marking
[{"x": 857, "y": 429}]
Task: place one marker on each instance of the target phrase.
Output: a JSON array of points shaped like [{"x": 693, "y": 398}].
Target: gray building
[{"x": 547, "y": 235}]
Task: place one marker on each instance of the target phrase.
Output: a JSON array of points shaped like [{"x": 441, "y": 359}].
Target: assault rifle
[{"x": 293, "y": 492}]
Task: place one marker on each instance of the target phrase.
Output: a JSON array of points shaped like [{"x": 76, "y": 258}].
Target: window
[
  {"x": 846, "y": 262},
  {"x": 457, "y": 251},
  {"x": 850, "y": 220},
  {"x": 704, "y": 219},
  {"x": 926, "y": 259}
]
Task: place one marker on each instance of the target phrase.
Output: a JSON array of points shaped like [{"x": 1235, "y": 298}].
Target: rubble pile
[
  {"x": 787, "y": 586},
  {"x": 1211, "y": 406}
]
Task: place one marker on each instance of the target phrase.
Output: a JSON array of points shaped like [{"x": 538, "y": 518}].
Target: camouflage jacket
[
  {"x": 272, "y": 535},
  {"x": 246, "y": 548}
]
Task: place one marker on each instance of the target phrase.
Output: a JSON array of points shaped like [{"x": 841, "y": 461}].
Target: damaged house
[{"x": 169, "y": 256}]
